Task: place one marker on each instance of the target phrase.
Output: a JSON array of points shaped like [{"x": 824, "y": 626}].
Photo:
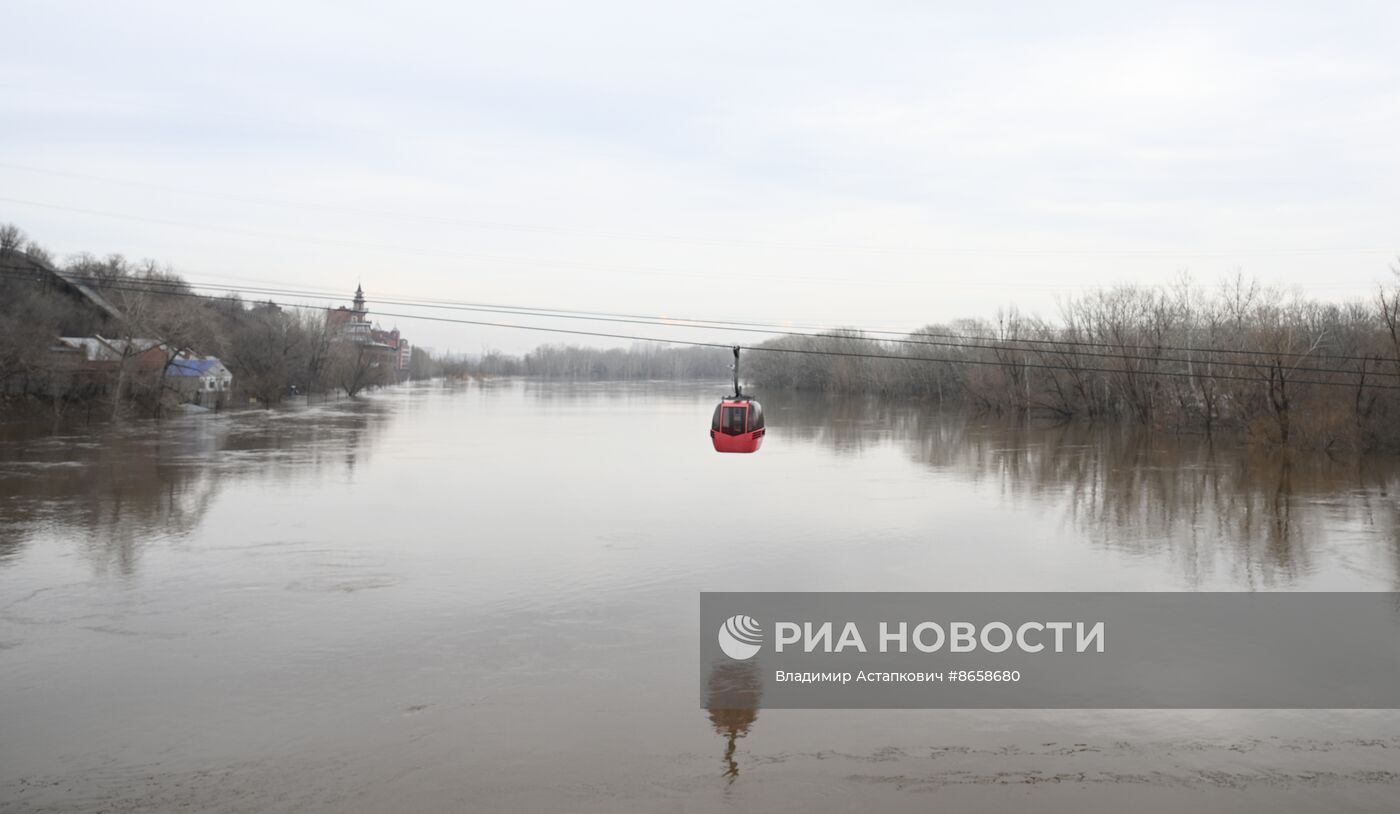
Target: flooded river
[{"x": 485, "y": 598}]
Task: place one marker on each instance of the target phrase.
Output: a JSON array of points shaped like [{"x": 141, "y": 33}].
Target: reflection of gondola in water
[{"x": 734, "y": 690}]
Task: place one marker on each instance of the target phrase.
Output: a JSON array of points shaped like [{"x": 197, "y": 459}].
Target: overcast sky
[{"x": 885, "y": 165}]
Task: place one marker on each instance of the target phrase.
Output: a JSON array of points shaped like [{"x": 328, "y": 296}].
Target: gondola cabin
[{"x": 737, "y": 425}]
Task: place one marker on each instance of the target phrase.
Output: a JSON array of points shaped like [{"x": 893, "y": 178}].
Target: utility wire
[
  {"x": 967, "y": 342},
  {"x": 669, "y": 320},
  {"x": 580, "y": 265},
  {"x": 647, "y": 271},
  {"x": 770, "y": 349},
  {"x": 694, "y": 239}
]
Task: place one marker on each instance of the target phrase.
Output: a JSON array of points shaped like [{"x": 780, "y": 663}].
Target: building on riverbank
[
  {"x": 88, "y": 366},
  {"x": 388, "y": 349},
  {"x": 201, "y": 380}
]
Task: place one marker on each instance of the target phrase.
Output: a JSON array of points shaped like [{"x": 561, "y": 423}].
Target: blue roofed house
[{"x": 204, "y": 380}]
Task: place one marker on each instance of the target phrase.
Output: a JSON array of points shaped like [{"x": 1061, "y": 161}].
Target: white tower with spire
[{"x": 358, "y": 326}]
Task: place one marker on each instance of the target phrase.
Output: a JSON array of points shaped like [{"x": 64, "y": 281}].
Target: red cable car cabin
[{"x": 737, "y": 425}]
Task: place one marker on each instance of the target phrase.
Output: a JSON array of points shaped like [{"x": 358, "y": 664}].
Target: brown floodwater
[{"x": 485, "y": 598}]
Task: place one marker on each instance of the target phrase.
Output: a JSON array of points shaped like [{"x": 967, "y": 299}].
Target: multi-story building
[{"x": 353, "y": 323}]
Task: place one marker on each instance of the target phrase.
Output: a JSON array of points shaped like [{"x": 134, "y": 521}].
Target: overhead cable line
[
  {"x": 771, "y": 349},
  {"x": 564, "y": 265},
  {"x": 506, "y": 308},
  {"x": 966, "y": 342},
  {"x": 701, "y": 239}
]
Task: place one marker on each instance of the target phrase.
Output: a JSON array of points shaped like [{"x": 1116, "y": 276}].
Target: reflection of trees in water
[
  {"x": 115, "y": 488},
  {"x": 732, "y": 696},
  {"x": 847, "y": 424},
  {"x": 1260, "y": 512},
  {"x": 643, "y": 394}
]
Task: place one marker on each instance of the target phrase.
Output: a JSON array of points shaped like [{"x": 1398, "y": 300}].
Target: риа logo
[{"x": 740, "y": 637}]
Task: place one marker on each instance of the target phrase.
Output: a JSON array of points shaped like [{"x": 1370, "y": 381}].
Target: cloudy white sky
[{"x": 879, "y": 164}]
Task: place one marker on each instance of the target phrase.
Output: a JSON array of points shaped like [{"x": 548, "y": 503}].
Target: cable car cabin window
[
  {"x": 714, "y": 421},
  {"x": 755, "y": 416},
  {"x": 732, "y": 423}
]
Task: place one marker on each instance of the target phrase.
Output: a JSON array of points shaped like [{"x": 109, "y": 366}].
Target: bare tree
[
  {"x": 12, "y": 237},
  {"x": 357, "y": 365}
]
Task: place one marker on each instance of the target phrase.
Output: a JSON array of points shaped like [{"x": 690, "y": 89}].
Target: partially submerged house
[
  {"x": 204, "y": 381},
  {"x": 92, "y": 365},
  {"x": 85, "y": 361}
]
